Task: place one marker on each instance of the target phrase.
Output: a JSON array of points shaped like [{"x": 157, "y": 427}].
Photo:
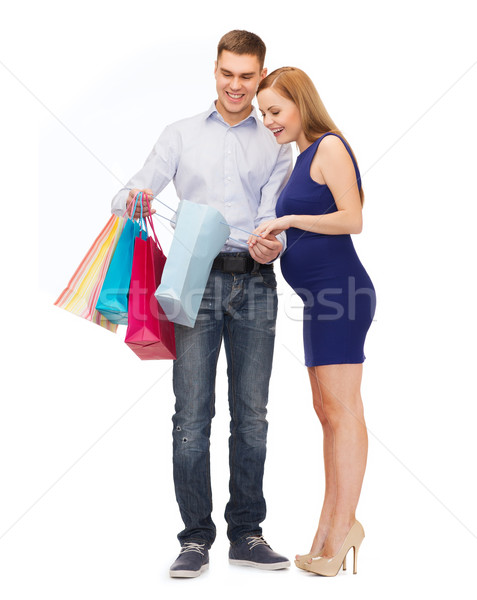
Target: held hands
[
  {"x": 266, "y": 247},
  {"x": 132, "y": 198}
]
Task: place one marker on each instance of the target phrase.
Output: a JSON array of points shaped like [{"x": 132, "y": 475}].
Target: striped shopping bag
[{"x": 81, "y": 294}]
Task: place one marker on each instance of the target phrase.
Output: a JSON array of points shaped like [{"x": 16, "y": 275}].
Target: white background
[{"x": 87, "y": 505}]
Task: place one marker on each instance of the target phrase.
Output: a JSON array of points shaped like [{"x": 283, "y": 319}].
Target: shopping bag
[
  {"x": 199, "y": 236},
  {"x": 113, "y": 298},
  {"x": 81, "y": 294},
  {"x": 149, "y": 334}
]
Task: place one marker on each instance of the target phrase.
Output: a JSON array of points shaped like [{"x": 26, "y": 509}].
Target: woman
[{"x": 320, "y": 207}]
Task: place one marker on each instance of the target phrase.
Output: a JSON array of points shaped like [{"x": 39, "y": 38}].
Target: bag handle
[
  {"x": 133, "y": 207},
  {"x": 151, "y": 223},
  {"x": 170, "y": 221},
  {"x": 141, "y": 220}
]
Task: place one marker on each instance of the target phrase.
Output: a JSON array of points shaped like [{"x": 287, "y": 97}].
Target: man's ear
[{"x": 263, "y": 74}]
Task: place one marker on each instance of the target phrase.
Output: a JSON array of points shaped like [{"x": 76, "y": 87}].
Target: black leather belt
[{"x": 237, "y": 263}]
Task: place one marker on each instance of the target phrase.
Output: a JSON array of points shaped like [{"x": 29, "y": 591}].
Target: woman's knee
[
  {"x": 318, "y": 407},
  {"x": 338, "y": 409}
]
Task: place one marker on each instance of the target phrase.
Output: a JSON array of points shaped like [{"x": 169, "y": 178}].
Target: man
[{"x": 226, "y": 158}]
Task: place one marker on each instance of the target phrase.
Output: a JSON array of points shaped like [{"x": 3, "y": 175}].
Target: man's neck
[{"x": 233, "y": 118}]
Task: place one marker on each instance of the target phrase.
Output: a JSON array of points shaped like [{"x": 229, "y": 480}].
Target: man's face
[{"x": 237, "y": 77}]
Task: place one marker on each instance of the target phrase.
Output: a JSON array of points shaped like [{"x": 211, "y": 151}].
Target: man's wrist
[{"x": 278, "y": 254}]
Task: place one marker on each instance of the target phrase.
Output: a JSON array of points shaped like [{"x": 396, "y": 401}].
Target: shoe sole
[
  {"x": 264, "y": 566},
  {"x": 189, "y": 574}
]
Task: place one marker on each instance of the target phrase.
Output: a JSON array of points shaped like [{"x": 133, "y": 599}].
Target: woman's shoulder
[
  {"x": 333, "y": 147},
  {"x": 332, "y": 142},
  {"x": 332, "y": 154}
]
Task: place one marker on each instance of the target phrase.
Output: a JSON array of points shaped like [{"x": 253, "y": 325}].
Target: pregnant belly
[{"x": 313, "y": 261}]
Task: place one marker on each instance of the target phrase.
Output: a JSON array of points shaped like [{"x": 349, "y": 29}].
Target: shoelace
[
  {"x": 192, "y": 547},
  {"x": 256, "y": 540}
]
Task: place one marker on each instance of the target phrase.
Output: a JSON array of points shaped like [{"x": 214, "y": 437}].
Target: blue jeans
[{"x": 240, "y": 309}]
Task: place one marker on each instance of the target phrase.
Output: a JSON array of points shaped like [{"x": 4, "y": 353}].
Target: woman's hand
[{"x": 273, "y": 227}]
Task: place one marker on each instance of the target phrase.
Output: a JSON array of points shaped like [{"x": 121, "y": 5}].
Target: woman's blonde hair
[{"x": 294, "y": 84}]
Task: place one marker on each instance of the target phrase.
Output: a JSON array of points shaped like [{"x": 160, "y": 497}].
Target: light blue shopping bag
[{"x": 199, "y": 236}]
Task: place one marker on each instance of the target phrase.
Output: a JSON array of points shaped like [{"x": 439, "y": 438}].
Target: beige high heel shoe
[
  {"x": 304, "y": 558},
  {"x": 329, "y": 567}
]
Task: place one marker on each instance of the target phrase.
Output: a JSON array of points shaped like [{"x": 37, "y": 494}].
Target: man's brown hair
[{"x": 242, "y": 42}]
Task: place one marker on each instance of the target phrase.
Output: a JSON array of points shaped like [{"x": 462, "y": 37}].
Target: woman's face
[{"x": 281, "y": 116}]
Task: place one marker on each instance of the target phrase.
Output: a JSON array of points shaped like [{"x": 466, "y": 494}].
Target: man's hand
[
  {"x": 265, "y": 249},
  {"x": 132, "y": 199}
]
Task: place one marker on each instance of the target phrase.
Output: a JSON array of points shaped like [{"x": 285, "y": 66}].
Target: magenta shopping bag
[{"x": 149, "y": 334}]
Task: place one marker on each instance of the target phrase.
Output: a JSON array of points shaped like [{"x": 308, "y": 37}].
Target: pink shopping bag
[{"x": 149, "y": 334}]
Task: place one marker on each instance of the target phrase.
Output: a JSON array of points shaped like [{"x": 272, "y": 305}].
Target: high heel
[
  {"x": 329, "y": 567},
  {"x": 304, "y": 559}
]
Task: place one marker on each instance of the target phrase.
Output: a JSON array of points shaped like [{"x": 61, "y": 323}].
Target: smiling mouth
[
  {"x": 235, "y": 96},
  {"x": 277, "y": 132}
]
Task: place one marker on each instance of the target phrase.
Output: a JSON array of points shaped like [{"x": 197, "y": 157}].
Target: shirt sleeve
[
  {"x": 272, "y": 189},
  {"x": 158, "y": 170}
]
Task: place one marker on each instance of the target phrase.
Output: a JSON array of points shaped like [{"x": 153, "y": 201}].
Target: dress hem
[{"x": 336, "y": 362}]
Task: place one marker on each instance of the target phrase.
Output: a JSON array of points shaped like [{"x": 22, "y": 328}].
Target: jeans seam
[
  {"x": 233, "y": 433},
  {"x": 209, "y": 487}
]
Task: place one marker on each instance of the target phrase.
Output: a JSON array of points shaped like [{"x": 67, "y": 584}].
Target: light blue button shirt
[{"x": 240, "y": 170}]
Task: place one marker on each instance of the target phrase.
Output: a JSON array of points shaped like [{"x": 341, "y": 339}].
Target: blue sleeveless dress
[{"x": 325, "y": 271}]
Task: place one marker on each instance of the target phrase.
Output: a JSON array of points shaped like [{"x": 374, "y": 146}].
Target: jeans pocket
[{"x": 268, "y": 278}]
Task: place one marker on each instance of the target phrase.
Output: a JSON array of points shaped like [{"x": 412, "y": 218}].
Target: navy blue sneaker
[
  {"x": 253, "y": 551},
  {"x": 193, "y": 560}
]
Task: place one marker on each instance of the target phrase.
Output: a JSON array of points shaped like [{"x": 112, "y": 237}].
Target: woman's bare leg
[
  {"x": 343, "y": 410},
  {"x": 330, "y": 475}
]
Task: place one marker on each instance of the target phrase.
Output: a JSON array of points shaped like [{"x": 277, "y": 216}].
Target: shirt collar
[{"x": 213, "y": 112}]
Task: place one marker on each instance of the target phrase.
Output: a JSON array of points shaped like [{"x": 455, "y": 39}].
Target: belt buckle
[{"x": 235, "y": 264}]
